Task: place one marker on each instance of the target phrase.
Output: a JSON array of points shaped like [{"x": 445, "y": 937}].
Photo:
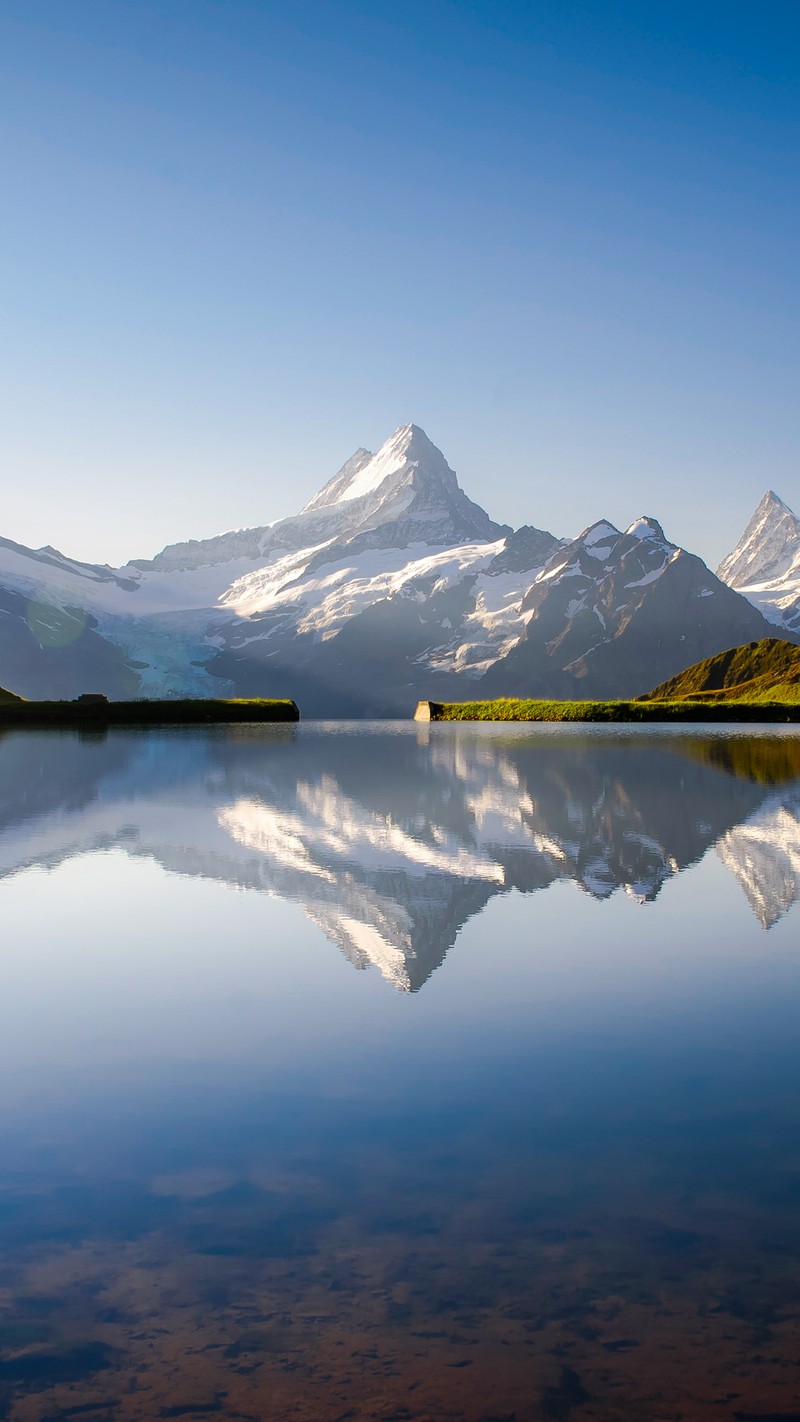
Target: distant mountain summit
[
  {"x": 765, "y": 564},
  {"x": 767, "y": 546},
  {"x": 406, "y": 493},
  {"x": 388, "y": 586},
  {"x": 407, "y": 490}
]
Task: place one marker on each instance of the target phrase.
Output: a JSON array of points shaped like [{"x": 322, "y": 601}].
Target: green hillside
[
  {"x": 8, "y": 696},
  {"x": 757, "y": 672}
]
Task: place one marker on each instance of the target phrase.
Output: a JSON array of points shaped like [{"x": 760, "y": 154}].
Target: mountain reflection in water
[
  {"x": 239, "y": 1180},
  {"x": 392, "y": 841}
]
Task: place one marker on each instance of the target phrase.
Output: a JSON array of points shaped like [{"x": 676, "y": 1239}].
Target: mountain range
[
  {"x": 388, "y": 586},
  {"x": 391, "y": 843}
]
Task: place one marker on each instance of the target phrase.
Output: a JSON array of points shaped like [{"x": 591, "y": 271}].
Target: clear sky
[{"x": 240, "y": 238}]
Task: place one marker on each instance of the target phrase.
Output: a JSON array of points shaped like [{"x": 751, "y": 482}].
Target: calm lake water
[{"x": 397, "y": 1072}]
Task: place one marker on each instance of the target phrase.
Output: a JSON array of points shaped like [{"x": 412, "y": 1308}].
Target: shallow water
[{"x": 400, "y": 1072}]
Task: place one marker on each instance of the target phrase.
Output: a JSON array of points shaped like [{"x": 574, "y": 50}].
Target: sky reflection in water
[{"x": 538, "y": 1157}]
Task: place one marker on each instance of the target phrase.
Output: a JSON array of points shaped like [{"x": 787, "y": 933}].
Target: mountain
[
  {"x": 388, "y": 586},
  {"x": 7, "y": 695},
  {"x": 609, "y": 609},
  {"x": 760, "y": 671},
  {"x": 765, "y": 564}
]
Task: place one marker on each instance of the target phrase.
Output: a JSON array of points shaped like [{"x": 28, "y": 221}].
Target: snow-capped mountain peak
[
  {"x": 407, "y": 483},
  {"x": 599, "y": 538},
  {"x": 336, "y": 488},
  {"x": 405, "y": 493},
  {"x": 765, "y": 564},
  {"x": 406, "y": 451},
  {"x": 646, "y": 528},
  {"x": 768, "y": 547}
]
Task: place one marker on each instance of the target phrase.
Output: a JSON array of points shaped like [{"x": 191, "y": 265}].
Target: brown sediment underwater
[{"x": 597, "y": 1317}]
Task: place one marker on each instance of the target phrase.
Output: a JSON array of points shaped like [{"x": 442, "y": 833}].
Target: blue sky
[{"x": 240, "y": 239}]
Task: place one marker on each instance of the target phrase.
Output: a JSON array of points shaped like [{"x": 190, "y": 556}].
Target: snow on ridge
[
  {"x": 650, "y": 577},
  {"x": 357, "y": 583},
  {"x": 329, "y": 596},
  {"x": 328, "y": 494},
  {"x": 389, "y": 460},
  {"x": 778, "y": 602},
  {"x": 256, "y": 589},
  {"x": 495, "y": 625},
  {"x": 132, "y": 594},
  {"x": 365, "y": 473},
  {"x": 548, "y": 573},
  {"x": 645, "y": 529},
  {"x": 598, "y": 533}
]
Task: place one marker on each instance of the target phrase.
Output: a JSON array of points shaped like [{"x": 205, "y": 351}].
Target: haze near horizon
[{"x": 247, "y": 238}]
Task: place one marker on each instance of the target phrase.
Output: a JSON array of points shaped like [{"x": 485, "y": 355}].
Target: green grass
[
  {"x": 759, "y": 681},
  {"x": 145, "y": 713},
  {"x": 755, "y": 673},
  {"x": 512, "y": 709}
]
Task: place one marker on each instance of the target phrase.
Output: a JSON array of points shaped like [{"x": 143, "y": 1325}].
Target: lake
[{"x": 382, "y": 1071}]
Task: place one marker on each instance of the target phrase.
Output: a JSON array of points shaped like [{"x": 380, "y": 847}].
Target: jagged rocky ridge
[
  {"x": 765, "y": 564},
  {"x": 391, "y": 845},
  {"x": 389, "y": 585}
]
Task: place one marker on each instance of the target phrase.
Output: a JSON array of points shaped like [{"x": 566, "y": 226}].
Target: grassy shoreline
[
  {"x": 511, "y": 709},
  {"x": 144, "y": 713}
]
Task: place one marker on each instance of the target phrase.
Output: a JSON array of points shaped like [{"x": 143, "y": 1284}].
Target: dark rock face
[{"x": 524, "y": 549}]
